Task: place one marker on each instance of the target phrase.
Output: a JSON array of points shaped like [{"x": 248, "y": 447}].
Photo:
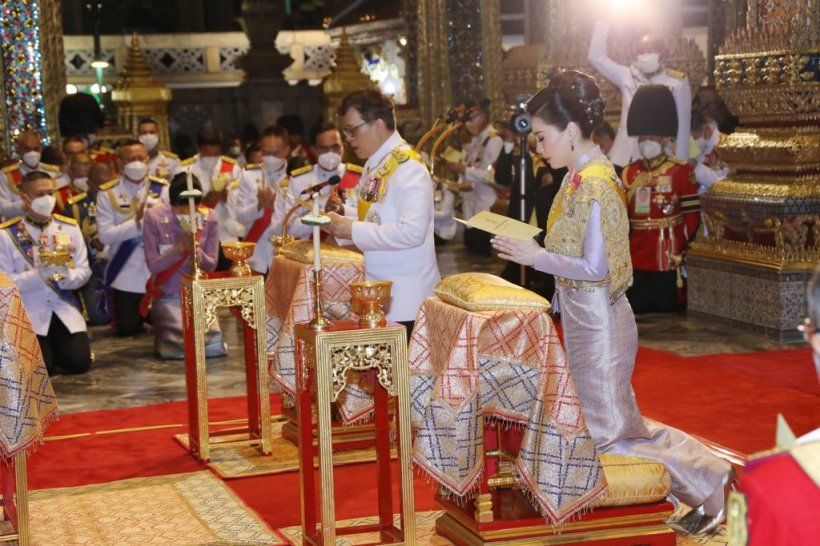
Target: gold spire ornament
[
  {"x": 347, "y": 77},
  {"x": 138, "y": 95}
]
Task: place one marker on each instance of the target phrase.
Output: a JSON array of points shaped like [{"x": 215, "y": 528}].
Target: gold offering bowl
[
  {"x": 367, "y": 299},
  {"x": 59, "y": 258},
  {"x": 238, "y": 253}
]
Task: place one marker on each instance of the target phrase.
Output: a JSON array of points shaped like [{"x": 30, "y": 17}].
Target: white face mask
[
  {"x": 234, "y": 151},
  {"x": 649, "y": 63},
  {"x": 135, "y": 170},
  {"x": 32, "y": 158},
  {"x": 208, "y": 162},
  {"x": 273, "y": 163},
  {"x": 330, "y": 161},
  {"x": 81, "y": 183},
  {"x": 43, "y": 205},
  {"x": 650, "y": 149},
  {"x": 149, "y": 140}
]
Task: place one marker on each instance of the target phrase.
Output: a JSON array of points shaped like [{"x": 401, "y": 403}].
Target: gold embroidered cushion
[
  {"x": 302, "y": 252},
  {"x": 485, "y": 292},
  {"x": 633, "y": 480}
]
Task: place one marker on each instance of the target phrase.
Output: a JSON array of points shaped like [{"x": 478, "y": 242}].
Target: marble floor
[{"x": 126, "y": 373}]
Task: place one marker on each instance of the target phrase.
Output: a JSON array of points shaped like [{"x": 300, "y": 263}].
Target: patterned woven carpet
[
  {"x": 242, "y": 462},
  {"x": 189, "y": 509},
  {"x": 425, "y": 532}
]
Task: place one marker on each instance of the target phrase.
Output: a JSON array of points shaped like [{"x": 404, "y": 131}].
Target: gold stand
[
  {"x": 201, "y": 298},
  {"x": 15, "y": 499},
  {"x": 319, "y": 321},
  {"x": 324, "y": 359},
  {"x": 196, "y": 272}
]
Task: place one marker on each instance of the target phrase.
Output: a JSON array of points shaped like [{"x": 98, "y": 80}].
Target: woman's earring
[{"x": 572, "y": 145}]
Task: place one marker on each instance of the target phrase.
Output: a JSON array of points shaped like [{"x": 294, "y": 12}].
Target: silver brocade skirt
[
  {"x": 601, "y": 343},
  {"x": 169, "y": 341}
]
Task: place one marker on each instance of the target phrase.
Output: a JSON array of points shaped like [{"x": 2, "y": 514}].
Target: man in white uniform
[
  {"x": 121, "y": 205},
  {"x": 219, "y": 176},
  {"x": 258, "y": 196},
  {"x": 647, "y": 69},
  {"x": 29, "y": 148},
  {"x": 46, "y": 290},
  {"x": 394, "y": 229},
  {"x": 161, "y": 163}
]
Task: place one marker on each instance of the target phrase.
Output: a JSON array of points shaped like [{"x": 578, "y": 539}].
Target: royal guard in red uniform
[{"x": 664, "y": 207}]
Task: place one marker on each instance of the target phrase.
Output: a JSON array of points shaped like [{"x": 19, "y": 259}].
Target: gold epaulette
[
  {"x": 77, "y": 198},
  {"x": 49, "y": 167},
  {"x": 676, "y": 161},
  {"x": 302, "y": 170},
  {"x": 352, "y": 167},
  {"x": 227, "y": 159},
  {"x": 202, "y": 209},
  {"x": 186, "y": 162},
  {"x": 11, "y": 168},
  {"x": 159, "y": 179},
  {"x": 110, "y": 184},
  {"x": 9, "y": 223},
  {"x": 104, "y": 150},
  {"x": 285, "y": 182},
  {"x": 234, "y": 184},
  {"x": 253, "y": 166},
  {"x": 677, "y": 74},
  {"x": 492, "y": 133},
  {"x": 168, "y": 154},
  {"x": 64, "y": 219}
]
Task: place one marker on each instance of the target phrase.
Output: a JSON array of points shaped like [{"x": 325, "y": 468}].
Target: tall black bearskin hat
[{"x": 652, "y": 112}]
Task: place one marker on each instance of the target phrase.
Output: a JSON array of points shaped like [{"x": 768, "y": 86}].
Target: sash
[
  {"x": 375, "y": 187},
  {"x": 595, "y": 171},
  {"x": 152, "y": 287},
  {"x": 259, "y": 226},
  {"x": 26, "y": 247}
]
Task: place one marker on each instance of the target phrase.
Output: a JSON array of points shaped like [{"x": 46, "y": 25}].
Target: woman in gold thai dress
[{"x": 587, "y": 249}]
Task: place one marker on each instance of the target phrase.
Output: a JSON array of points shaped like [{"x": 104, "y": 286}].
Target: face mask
[
  {"x": 273, "y": 163},
  {"x": 81, "y": 183},
  {"x": 135, "y": 170},
  {"x": 209, "y": 162},
  {"x": 149, "y": 140},
  {"x": 43, "y": 205},
  {"x": 234, "y": 151},
  {"x": 472, "y": 127},
  {"x": 650, "y": 149},
  {"x": 329, "y": 161},
  {"x": 649, "y": 63},
  {"x": 32, "y": 159}
]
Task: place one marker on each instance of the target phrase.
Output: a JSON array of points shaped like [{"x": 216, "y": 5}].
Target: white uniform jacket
[
  {"x": 253, "y": 178},
  {"x": 627, "y": 79},
  {"x": 39, "y": 299},
  {"x": 480, "y": 154},
  {"x": 117, "y": 202},
  {"x": 397, "y": 235}
]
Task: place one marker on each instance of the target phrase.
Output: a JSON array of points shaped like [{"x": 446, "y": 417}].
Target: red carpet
[{"x": 731, "y": 400}]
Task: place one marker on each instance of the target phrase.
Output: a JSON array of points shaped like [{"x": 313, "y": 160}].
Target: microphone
[{"x": 332, "y": 181}]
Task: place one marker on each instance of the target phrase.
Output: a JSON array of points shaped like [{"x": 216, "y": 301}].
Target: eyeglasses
[{"x": 349, "y": 132}]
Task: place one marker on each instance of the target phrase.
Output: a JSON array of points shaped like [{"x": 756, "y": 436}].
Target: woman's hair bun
[{"x": 571, "y": 96}]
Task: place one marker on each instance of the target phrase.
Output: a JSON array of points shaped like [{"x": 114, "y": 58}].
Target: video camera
[{"x": 521, "y": 121}]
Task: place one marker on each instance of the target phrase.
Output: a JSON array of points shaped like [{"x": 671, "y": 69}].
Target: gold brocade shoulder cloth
[
  {"x": 374, "y": 185},
  {"x": 568, "y": 218}
]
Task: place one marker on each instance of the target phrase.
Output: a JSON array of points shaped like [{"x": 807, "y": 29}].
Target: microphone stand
[{"x": 522, "y": 178}]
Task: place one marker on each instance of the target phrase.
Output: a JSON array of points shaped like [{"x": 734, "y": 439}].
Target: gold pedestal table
[
  {"x": 325, "y": 361},
  {"x": 27, "y": 406},
  {"x": 201, "y": 299}
]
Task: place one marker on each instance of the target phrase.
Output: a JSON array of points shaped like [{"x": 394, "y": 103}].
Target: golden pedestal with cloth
[
  {"x": 288, "y": 301},
  {"x": 27, "y": 406},
  {"x": 499, "y": 427}
]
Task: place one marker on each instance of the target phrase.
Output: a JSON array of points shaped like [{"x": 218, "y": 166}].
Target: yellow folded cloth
[
  {"x": 302, "y": 252},
  {"x": 633, "y": 480},
  {"x": 485, "y": 292}
]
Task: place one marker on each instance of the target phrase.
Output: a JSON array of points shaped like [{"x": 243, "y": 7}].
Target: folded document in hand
[{"x": 501, "y": 225}]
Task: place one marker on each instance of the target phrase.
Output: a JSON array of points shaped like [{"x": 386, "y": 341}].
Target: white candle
[
  {"x": 191, "y": 205},
  {"x": 316, "y": 233}
]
